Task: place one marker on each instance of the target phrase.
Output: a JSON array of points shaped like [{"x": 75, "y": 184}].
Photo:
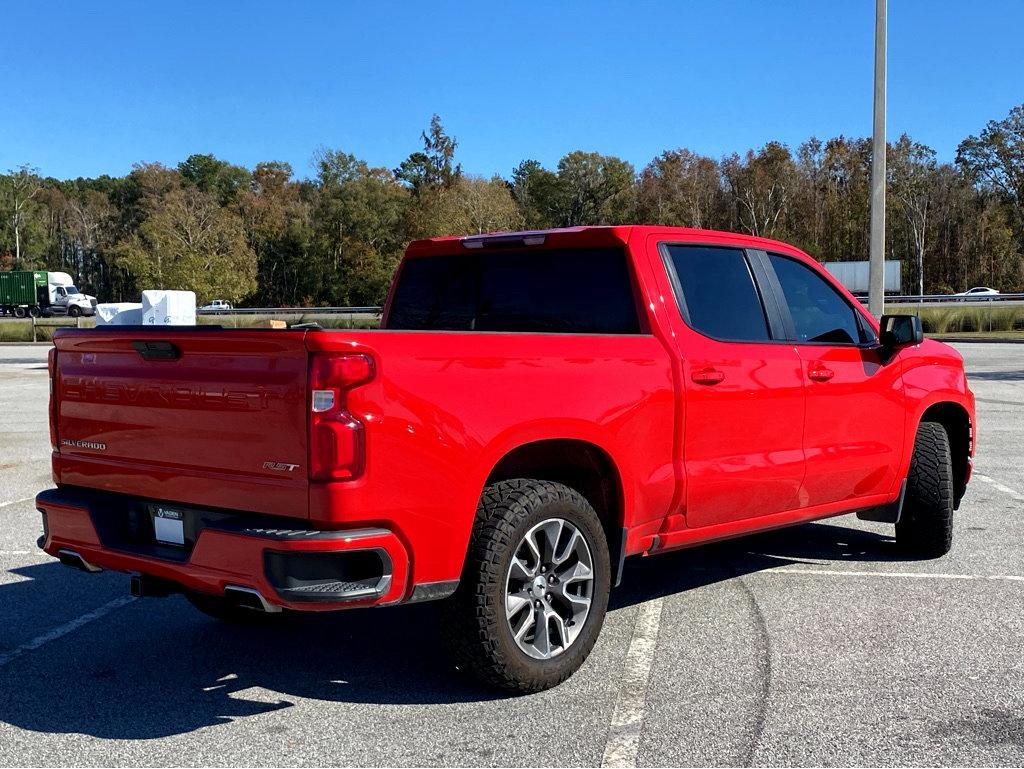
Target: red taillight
[
  {"x": 51, "y": 365},
  {"x": 337, "y": 441}
]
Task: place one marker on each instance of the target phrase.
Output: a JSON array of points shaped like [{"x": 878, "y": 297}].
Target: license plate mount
[{"x": 169, "y": 525}]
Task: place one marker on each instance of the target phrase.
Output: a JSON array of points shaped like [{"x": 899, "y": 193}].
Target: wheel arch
[
  {"x": 580, "y": 465},
  {"x": 956, "y": 421}
]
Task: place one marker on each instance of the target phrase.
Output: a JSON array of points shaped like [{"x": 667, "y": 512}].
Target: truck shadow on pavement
[
  {"x": 156, "y": 667},
  {"x": 682, "y": 570}
]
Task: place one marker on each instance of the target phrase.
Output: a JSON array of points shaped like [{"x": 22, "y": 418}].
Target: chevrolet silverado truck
[{"x": 534, "y": 408}]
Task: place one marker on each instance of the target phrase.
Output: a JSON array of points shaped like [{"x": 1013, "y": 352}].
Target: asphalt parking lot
[{"x": 812, "y": 646}]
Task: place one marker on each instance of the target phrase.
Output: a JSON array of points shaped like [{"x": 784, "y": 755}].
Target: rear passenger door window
[
  {"x": 820, "y": 314},
  {"x": 716, "y": 292}
]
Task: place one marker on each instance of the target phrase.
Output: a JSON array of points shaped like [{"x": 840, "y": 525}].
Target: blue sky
[{"x": 94, "y": 87}]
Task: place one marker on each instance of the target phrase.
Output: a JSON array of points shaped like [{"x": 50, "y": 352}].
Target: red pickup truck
[{"x": 535, "y": 407}]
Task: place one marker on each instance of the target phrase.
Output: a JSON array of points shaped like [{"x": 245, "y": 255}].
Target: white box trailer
[{"x": 854, "y": 275}]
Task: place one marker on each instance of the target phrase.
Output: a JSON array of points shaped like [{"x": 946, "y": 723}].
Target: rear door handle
[
  {"x": 707, "y": 376},
  {"x": 820, "y": 373}
]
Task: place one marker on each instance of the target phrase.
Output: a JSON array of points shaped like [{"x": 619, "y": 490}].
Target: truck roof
[{"x": 595, "y": 235}]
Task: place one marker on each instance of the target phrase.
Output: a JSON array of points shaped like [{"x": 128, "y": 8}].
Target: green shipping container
[{"x": 21, "y": 287}]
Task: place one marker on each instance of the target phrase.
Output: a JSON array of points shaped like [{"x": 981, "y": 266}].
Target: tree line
[{"x": 263, "y": 237}]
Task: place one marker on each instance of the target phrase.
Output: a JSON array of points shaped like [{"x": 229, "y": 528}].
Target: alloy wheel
[{"x": 548, "y": 588}]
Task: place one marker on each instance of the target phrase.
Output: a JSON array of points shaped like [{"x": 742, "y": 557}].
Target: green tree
[
  {"x": 434, "y": 168},
  {"x": 536, "y": 193},
  {"x": 18, "y": 190},
  {"x": 189, "y": 242},
  {"x": 360, "y": 215},
  {"x": 995, "y": 159},
  {"x": 217, "y": 177},
  {"x": 595, "y": 189}
]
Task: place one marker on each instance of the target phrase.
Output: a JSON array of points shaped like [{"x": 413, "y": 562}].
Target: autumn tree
[
  {"x": 911, "y": 170},
  {"x": 278, "y": 226},
  {"x": 474, "y": 205},
  {"x": 269, "y": 238},
  {"x": 679, "y": 188},
  {"x": 761, "y": 186},
  {"x": 994, "y": 159}
]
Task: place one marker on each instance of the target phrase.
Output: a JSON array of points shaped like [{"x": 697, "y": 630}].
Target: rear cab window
[{"x": 571, "y": 290}]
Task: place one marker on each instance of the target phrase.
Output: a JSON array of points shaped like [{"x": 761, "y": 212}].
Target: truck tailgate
[{"x": 211, "y": 417}]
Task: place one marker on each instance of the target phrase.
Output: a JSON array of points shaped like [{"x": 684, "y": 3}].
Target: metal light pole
[{"x": 876, "y": 271}]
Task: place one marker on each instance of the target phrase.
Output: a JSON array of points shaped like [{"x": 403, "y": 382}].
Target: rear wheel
[
  {"x": 19, "y": 312},
  {"x": 534, "y": 590},
  {"x": 925, "y": 528},
  {"x": 224, "y": 610},
  {"x": 33, "y": 311}
]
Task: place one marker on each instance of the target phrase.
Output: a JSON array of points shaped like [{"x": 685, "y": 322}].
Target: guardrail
[
  {"x": 947, "y": 298},
  {"x": 292, "y": 311},
  {"x": 63, "y": 321}
]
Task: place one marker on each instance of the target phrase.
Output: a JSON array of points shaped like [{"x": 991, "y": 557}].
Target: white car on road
[{"x": 979, "y": 292}]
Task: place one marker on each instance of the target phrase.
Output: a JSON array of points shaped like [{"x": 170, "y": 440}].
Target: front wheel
[
  {"x": 925, "y": 528},
  {"x": 74, "y": 312},
  {"x": 534, "y": 590}
]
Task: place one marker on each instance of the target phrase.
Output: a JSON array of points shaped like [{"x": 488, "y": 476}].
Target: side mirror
[{"x": 898, "y": 331}]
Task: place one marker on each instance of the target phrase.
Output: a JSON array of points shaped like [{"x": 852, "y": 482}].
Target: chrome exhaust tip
[
  {"x": 75, "y": 561},
  {"x": 249, "y": 598}
]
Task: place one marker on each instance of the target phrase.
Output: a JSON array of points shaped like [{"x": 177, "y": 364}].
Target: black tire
[
  {"x": 477, "y": 630},
  {"x": 74, "y": 312},
  {"x": 20, "y": 312},
  {"x": 925, "y": 529},
  {"x": 33, "y": 311},
  {"x": 223, "y": 610}
]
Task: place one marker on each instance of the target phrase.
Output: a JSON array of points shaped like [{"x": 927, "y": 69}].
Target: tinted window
[
  {"x": 583, "y": 291},
  {"x": 819, "y": 313},
  {"x": 719, "y": 297}
]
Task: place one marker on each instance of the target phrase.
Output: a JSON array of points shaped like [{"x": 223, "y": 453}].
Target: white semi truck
[{"x": 38, "y": 293}]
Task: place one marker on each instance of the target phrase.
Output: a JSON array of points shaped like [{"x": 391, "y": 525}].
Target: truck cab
[{"x": 65, "y": 299}]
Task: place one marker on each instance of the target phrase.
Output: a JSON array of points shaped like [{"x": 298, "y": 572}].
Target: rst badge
[{"x": 280, "y": 466}]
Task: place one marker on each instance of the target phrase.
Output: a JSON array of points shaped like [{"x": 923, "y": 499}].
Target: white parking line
[
  {"x": 997, "y": 485},
  {"x": 64, "y": 629},
  {"x": 15, "y": 501},
  {"x": 893, "y": 574},
  {"x": 623, "y": 742}
]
